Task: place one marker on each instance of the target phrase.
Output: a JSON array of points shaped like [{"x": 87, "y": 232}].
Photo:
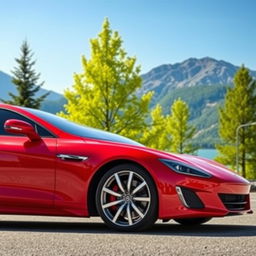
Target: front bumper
[{"x": 191, "y": 199}]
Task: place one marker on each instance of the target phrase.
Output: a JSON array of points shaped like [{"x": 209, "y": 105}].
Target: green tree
[
  {"x": 179, "y": 128},
  {"x": 156, "y": 135},
  {"x": 104, "y": 94},
  {"x": 25, "y": 79},
  {"x": 239, "y": 108}
]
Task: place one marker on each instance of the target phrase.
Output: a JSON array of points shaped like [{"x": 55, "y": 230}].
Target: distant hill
[{"x": 53, "y": 103}]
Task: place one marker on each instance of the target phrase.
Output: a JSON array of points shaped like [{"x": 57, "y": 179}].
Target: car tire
[
  {"x": 192, "y": 221},
  {"x": 126, "y": 198}
]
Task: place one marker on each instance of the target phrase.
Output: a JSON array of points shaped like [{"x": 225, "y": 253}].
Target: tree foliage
[
  {"x": 170, "y": 132},
  {"x": 156, "y": 135},
  {"x": 203, "y": 102},
  {"x": 25, "y": 80},
  {"x": 239, "y": 108},
  {"x": 179, "y": 128},
  {"x": 103, "y": 95}
]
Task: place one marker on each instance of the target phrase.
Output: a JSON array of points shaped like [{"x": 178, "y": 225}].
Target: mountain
[
  {"x": 202, "y": 83},
  {"x": 53, "y": 103}
]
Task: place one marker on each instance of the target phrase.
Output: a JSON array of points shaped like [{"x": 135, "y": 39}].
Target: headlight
[{"x": 185, "y": 169}]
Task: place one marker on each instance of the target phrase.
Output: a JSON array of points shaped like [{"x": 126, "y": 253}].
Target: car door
[{"x": 27, "y": 169}]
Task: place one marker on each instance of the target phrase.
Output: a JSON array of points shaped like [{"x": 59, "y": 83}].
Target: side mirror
[{"x": 20, "y": 127}]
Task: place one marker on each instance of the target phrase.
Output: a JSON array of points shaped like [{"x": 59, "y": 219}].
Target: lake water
[{"x": 207, "y": 153}]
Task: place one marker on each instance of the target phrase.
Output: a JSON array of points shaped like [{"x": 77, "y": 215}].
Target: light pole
[{"x": 237, "y": 142}]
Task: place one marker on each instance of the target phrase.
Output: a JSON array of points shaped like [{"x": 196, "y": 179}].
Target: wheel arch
[{"x": 91, "y": 202}]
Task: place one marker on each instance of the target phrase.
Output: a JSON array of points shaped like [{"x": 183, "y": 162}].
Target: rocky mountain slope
[{"x": 191, "y": 72}]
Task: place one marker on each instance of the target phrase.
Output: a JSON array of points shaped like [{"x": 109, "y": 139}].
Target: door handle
[{"x": 72, "y": 157}]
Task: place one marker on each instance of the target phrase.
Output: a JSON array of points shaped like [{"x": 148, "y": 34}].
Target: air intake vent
[
  {"x": 235, "y": 202},
  {"x": 189, "y": 198}
]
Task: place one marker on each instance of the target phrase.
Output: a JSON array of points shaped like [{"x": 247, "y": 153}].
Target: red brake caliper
[{"x": 113, "y": 198}]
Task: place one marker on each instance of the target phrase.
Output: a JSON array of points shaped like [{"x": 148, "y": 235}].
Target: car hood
[{"x": 215, "y": 169}]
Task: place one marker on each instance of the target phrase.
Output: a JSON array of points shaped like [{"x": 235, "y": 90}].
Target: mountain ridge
[{"x": 191, "y": 72}]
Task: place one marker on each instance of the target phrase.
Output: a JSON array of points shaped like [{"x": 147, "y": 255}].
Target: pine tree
[
  {"x": 180, "y": 130},
  {"x": 25, "y": 80},
  {"x": 239, "y": 108},
  {"x": 156, "y": 135},
  {"x": 104, "y": 94}
]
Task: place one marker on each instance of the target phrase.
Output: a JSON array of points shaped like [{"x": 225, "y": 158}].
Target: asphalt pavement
[{"x": 36, "y": 235}]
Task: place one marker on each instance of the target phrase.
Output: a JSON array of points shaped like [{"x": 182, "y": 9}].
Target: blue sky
[{"x": 156, "y": 31}]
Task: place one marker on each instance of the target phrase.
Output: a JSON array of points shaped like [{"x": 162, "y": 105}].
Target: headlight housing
[{"x": 185, "y": 169}]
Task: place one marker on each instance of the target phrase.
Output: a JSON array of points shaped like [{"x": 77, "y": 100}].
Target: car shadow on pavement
[{"x": 165, "y": 229}]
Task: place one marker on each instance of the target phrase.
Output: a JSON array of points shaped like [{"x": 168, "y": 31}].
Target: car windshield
[{"x": 80, "y": 130}]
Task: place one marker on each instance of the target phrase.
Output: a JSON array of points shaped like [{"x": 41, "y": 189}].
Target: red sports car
[{"x": 51, "y": 166}]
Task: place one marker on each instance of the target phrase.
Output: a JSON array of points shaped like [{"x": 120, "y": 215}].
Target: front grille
[{"x": 235, "y": 202}]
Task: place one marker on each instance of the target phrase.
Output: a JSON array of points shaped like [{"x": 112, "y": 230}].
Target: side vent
[{"x": 189, "y": 198}]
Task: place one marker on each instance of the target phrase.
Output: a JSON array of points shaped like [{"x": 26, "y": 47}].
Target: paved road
[{"x": 25, "y": 235}]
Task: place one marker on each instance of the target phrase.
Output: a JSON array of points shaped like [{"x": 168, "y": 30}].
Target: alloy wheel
[{"x": 125, "y": 198}]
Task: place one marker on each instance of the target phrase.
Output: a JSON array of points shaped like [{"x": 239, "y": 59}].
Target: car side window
[{"x": 7, "y": 114}]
